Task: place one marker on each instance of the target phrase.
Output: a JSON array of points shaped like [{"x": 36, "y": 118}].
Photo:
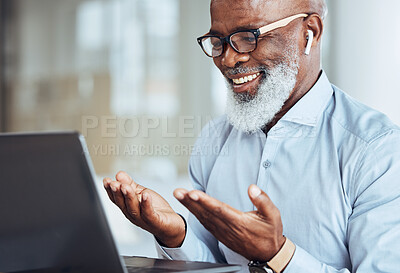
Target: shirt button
[{"x": 266, "y": 164}]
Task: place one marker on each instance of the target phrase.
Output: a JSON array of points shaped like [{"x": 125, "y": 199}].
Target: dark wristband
[{"x": 184, "y": 220}]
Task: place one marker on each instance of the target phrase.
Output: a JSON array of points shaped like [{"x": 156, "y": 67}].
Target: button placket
[
  {"x": 264, "y": 175},
  {"x": 266, "y": 164},
  {"x": 268, "y": 157}
]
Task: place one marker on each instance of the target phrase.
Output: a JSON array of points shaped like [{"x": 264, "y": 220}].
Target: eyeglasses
[{"x": 242, "y": 41}]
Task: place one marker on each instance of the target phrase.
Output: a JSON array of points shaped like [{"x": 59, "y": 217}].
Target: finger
[
  {"x": 106, "y": 184},
  {"x": 146, "y": 209},
  {"x": 215, "y": 218},
  {"x": 117, "y": 195},
  {"x": 189, "y": 201},
  {"x": 219, "y": 209},
  {"x": 203, "y": 205},
  {"x": 124, "y": 178},
  {"x": 261, "y": 201},
  {"x": 180, "y": 193},
  {"x": 131, "y": 203}
]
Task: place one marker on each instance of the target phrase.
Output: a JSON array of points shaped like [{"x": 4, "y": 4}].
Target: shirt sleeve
[
  {"x": 373, "y": 234},
  {"x": 199, "y": 245}
]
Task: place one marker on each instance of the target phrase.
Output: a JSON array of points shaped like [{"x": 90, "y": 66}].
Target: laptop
[{"x": 51, "y": 218}]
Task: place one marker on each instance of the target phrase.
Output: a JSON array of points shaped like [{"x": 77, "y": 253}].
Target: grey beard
[{"x": 249, "y": 113}]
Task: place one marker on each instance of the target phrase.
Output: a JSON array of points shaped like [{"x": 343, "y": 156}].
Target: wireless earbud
[{"x": 309, "y": 42}]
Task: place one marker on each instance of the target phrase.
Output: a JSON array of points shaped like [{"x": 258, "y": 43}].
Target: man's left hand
[{"x": 256, "y": 235}]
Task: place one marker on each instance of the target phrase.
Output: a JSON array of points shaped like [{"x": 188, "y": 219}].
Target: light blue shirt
[{"x": 332, "y": 167}]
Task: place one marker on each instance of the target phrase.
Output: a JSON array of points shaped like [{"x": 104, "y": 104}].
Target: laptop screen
[{"x": 50, "y": 214}]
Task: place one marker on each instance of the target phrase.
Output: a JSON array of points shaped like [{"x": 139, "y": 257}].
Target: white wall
[{"x": 362, "y": 53}]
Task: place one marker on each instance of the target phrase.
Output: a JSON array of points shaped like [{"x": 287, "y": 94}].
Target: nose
[{"x": 230, "y": 57}]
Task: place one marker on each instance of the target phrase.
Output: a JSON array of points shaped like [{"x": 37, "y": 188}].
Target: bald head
[
  {"x": 313, "y": 6},
  {"x": 294, "y": 6}
]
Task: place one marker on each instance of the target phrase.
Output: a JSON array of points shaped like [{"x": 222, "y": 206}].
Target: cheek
[
  {"x": 217, "y": 62},
  {"x": 264, "y": 58},
  {"x": 270, "y": 45},
  {"x": 274, "y": 50},
  {"x": 268, "y": 52}
]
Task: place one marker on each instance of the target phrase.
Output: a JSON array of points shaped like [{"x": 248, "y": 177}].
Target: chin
[{"x": 244, "y": 96}]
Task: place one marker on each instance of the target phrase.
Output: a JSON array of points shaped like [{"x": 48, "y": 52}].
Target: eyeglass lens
[
  {"x": 212, "y": 46},
  {"x": 243, "y": 42}
]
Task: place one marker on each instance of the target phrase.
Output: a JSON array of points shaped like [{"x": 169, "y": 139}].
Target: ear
[{"x": 315, "y": 25}]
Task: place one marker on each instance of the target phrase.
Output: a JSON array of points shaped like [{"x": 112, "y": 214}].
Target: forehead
[{"x": 229, "y": 15}]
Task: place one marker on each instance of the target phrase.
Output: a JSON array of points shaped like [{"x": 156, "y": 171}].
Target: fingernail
[
  {"x": 145, "y": 196},
  {"x": 179, "y": 195},
  {"x": 255, "y": 191},
  {"x": 193, "y": 196},
  {"x": 114, "y": 189},
  {"x": 123, "y": 191}
]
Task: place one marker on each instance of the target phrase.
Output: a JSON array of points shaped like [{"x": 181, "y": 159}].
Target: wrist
[
  {"x": 278, "y": 247},
  {"x": 175, "y": 240}
]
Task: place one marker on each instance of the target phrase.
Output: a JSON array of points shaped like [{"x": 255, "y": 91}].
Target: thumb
[
  {"x": 261, "y": 200},
  {"x": 124, "y": 178}
]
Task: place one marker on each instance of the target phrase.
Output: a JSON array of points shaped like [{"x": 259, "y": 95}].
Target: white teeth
[{"x": 246, "y": 78}]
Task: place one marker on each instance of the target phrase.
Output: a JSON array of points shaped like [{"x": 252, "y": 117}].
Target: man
[{"x": 307, "y": 179}]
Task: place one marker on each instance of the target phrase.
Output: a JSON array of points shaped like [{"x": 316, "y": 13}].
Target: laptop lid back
[{"x": 50, "y": 214}]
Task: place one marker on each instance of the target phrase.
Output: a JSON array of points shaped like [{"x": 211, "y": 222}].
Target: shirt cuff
[
  {"x": 188, "y": 251},
  {"x": 302, "y": 261}
]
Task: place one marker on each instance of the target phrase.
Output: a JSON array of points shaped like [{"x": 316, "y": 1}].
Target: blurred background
[{"x": 130, "y": 76}]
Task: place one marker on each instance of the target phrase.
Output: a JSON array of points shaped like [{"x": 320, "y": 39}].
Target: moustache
[{"x": 245, "y": 70}]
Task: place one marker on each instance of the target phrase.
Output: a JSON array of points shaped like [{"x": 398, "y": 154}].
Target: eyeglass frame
[{"x": 256, "y": 32}]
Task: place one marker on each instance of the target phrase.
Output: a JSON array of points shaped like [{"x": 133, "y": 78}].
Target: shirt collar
[{"x": 310, "y": 107}]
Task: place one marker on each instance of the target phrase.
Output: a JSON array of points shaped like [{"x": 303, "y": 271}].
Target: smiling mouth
[
  {"x": 246, "y": 79},
  {"x": 248, "y": 83}
]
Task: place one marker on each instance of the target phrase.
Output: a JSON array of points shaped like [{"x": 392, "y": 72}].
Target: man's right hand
[{"x": 147, "y": 209}]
